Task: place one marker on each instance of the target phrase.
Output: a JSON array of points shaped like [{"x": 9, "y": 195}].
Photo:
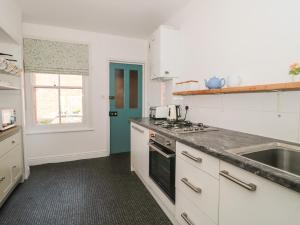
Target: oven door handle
[{"x": 168, "y": 156}]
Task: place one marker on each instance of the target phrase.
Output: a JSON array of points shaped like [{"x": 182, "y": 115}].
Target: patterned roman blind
[{"x": 53, "y": 57}]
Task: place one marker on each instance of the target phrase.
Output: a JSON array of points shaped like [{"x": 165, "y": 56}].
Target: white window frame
[{"x": 32, "y": 127}]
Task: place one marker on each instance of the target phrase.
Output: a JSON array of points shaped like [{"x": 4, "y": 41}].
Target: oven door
[{"x": 162, "y": 168}]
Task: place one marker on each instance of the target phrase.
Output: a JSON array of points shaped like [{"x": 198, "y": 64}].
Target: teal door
[{"x": 125, "y": 96}]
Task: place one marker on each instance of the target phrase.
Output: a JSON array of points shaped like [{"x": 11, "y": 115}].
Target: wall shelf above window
[{"x": 292, "y": 86}]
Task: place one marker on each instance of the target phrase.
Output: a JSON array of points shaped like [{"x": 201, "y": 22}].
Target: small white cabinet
[
  {"x": 139, "y": 151},
  {"x": 163, "y": 49},
  {"x": 11, "y": 164},
  {"x": 268, "y": 204}
]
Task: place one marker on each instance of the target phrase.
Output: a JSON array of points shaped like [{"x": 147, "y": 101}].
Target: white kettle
[{"x": 174, "y": 112}]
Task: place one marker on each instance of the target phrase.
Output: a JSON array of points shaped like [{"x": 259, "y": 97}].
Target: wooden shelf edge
[{"x": 292, "y": 86}]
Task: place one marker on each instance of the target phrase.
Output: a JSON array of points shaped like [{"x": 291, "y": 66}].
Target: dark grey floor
[{"x": 86, "y": 192}]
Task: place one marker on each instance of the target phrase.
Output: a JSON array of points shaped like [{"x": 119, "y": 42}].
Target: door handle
[
  {"x": 191, "y": 186},
  {"x": 248, "y": 186},
  {"x": 186, "y": 218},
  {"x": 168, "y": 156},
  {"x": 196, "y": 159},
  {"x": 113, "y": 114}
]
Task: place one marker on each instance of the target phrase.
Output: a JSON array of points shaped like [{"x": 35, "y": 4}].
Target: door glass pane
[
  {"x": 133, "y": 93},
  {"x": 47, "y": 110},
  {"x": 119, "y": 95},
  {"x": 42, "y": 79},
  {"x": 70, "y": 80},
  {"x": 71, "y": 105}
]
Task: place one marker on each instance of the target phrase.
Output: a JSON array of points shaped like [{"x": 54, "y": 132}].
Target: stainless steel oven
[{"x": 162, "y": 160}]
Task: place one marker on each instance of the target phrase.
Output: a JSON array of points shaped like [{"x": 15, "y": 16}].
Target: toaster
[{"x": 158, "y": 112}]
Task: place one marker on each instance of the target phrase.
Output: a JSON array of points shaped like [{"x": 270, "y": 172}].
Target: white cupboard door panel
[
  {"x": 140, "y": 151},
  {"x": 188, "y": 214},
  {"x": 5, "y": 176},
  {"x": 164, "y": 53},
  {"x": 15, "y": 159},
  {"x": 198, "y": 159},
  {"x": 269, "y": 204},
  {"x": 9, "y": 143},
  {"x": 199, "y": 187}
]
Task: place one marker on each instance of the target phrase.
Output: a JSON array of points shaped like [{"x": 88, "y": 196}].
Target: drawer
[
  {"x": 188, "y": 214},
  {"x": 199, "y": 187},
  {"x": 5, "y": 176},
  {"x": 9, "y": 143},
  {"x": 198, "y": 159}
]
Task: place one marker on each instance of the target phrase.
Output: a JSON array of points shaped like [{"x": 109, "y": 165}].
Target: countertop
[
  {"x": 7, "y": 133},
  {"x": 217, "y": 144}
]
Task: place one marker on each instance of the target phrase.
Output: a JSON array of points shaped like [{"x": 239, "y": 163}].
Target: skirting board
[{"x": 67, "y": 157}]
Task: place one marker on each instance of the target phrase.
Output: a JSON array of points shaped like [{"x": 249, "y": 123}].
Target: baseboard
[{"x": 67, "y": 157}]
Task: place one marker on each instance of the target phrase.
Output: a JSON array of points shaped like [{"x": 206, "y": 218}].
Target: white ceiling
[{"x": 134, "y": 18}]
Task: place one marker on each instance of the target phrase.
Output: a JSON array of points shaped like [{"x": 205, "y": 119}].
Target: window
[{"x": 58, "y": 99}]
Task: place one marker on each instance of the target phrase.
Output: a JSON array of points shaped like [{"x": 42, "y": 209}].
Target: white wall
[
  {"x": 11, "y": 19},
  {"x": 41, "y": 148},
  {"x": 257, "y": 40}
]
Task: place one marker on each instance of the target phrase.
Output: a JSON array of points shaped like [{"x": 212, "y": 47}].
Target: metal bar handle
[
  {"x": 191, "y": 186},
  {"x": 196, "y": 159},
  {"x": 248, "y": 186},
  {"x": 161, "y": 152},
  {"x": 137, "y": 129},
  {"x": 186, "y": 218}
]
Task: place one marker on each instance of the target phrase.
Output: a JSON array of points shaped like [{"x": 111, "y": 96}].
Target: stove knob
[
  {"x": 168, "y": 143},
  {"x": 152, "y": 135}
]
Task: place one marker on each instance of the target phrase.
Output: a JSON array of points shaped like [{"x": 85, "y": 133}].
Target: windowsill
[{"x": 58, "y": 130}]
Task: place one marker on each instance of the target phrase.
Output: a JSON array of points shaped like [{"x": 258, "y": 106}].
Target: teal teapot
[{"x": 215, "y": 83}]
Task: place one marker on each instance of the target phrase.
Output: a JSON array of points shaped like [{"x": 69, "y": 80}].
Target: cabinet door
[
  {"x": 270, "y": 203},
  {"x": 5, "y": 176},
  {"x": 155, "y": 55},
  {"x": 15, "y": 163},
  {"x": 140, "y": 154},
  {"x": 133, "y": 147}
]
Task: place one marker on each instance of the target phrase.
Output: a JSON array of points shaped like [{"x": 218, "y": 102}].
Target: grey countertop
[
  {"x": 217, "y": 144},
  {"x": 7, "y": 133}
]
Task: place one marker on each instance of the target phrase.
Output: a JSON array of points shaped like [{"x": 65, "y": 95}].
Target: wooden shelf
[{"x": 292, "y": 86}]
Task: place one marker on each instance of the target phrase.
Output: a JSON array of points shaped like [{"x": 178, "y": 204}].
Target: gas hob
[{"x": 184, "y": 127}]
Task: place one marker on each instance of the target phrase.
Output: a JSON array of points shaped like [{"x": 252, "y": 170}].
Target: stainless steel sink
[{"x": 279, "y": 155}]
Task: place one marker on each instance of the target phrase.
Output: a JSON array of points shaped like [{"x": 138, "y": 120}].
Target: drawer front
[
  {"x": 5, "y": 177},
  {"x": 199, "y": 187},
  {"x": 188, "y": 214},
  {"x": 15, "y": 159},
  {"x": 198, "y": 159},
  {"x": 9, "y": 143}
]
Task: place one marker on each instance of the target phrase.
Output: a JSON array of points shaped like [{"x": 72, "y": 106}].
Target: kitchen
[{"x": 220, "y": 80}]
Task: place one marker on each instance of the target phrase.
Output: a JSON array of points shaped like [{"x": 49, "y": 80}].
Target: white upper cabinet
[{"x": 163, "y": 48}]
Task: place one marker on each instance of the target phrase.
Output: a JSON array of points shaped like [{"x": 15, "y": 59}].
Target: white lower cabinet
[
  {"x": 11, "y": 164},
  {"x": 197, "y": 187},
  {"x": 140, "y": 151},
  {"x": 5, "y": 176},
  {"x": 187, "y": 213},
  {"x": 242, "y": 204}
]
